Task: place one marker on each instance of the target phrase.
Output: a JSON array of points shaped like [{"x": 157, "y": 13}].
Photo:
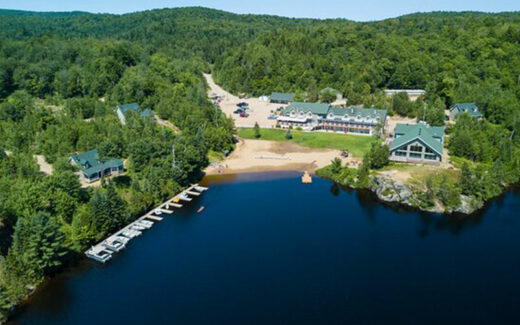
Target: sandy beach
[{"x": 262, "y": 155}]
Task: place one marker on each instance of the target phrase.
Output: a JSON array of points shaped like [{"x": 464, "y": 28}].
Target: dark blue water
[{"x": 274, "y": 251}]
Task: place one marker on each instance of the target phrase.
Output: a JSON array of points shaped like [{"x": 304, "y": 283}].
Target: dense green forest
[{"x": 62, "y": 74}]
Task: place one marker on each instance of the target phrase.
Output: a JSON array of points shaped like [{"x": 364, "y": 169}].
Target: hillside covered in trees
[{"x": 62, "y": 74}]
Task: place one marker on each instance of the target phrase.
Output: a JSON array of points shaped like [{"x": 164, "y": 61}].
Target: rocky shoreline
[{"x": 392, "y": 191}]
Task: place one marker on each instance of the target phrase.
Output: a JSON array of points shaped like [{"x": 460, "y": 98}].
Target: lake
[{"x": 270, "y": 250}]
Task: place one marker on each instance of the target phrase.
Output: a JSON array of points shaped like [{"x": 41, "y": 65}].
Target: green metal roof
[
  {"x": 360, "y": 111},
  {"x": 282, "y": 96},
  {"x": 470, "y": 108},
  {"x": 315, "y": 108},
  {"x": 429, "y": 135},
  {"x": 134, "y": 107},
  {"x": 90, "y": 164},
  {"x": 86, "y": 158}
]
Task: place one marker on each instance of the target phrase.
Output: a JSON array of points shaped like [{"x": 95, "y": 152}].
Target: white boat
[
  {"x": 122, "y": 239},
  {"x": 113, "y": 244},
  {"x": 158, "y": 212},
  {"x": 137, "y": 227},
  {"x": 99, "y": 254},
  {"x": 146, "y": 222},
  {"x": 130, "y": 234}
]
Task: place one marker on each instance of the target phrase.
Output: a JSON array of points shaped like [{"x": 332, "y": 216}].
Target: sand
[
  {"x": 259, "y": 109},
  {"x": 262, "y": 155},
  {"x": 45, "y": 167}
]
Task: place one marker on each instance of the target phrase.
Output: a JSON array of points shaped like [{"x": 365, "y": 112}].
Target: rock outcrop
[{"x": 392, "y": 191}]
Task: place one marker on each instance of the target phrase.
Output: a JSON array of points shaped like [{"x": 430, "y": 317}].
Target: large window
[
  {"x": 415, "y": 155},
  {"x": 416, "y": 148},
  {"x": 400, "y": 153},
  {"x": 428, "y": 150},
  {"x": 430, "y": 157}
]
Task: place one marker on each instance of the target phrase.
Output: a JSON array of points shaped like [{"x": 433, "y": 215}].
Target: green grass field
[{"x": 357, "y": 145}]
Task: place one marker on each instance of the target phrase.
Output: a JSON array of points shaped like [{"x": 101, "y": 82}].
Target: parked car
[
  {"x": 244, "y": 114},
  {"x": 242, "y": 104},
  {"x": 272, "y": 117},
  {"x": 238, "y": 111}
]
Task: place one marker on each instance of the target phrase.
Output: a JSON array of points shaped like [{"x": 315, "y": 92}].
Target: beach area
[{"x": 262, "y": 155}]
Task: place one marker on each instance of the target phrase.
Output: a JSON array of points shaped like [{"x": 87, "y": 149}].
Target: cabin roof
[
  {"x": 431, "y": 136},
  {"x": 282, "y": 96}
]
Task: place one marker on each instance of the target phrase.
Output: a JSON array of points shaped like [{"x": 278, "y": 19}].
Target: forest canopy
[{"x": 62, "y": 74}]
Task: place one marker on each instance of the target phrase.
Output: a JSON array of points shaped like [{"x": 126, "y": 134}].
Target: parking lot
[{"x": 258, "y": 111}]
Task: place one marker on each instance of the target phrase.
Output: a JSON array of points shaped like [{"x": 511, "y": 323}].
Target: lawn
[{"x": 357, "y": 145}]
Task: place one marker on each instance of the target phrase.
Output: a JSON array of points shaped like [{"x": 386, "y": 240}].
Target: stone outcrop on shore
[{"x": 392, "y": 191}]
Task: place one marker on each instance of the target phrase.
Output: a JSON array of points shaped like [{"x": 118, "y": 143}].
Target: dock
[
  {"x": 306, "y": 178},
  {"x": 155, "y": 218},
  {"x": 103, "y": 251}
]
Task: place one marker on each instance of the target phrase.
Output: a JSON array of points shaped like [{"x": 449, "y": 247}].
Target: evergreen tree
[
  {"x": 257, "y": 130},
  {"x": 117, "y": 206},
  {"x": 336, "y": 165},
  {"x": 467, "y": 180},
  {"x": 38, "y": 245}
]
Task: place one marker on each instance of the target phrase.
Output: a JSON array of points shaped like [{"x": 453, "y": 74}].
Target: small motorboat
[{"x": 200, "y": 209}]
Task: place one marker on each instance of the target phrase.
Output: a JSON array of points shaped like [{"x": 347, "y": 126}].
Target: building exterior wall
[
  {"x": 279, "y": 101},
  {"x": 415, "y": 152},
  {"x": 334, "y": 127},
  {"x": 108, "y": 172}
]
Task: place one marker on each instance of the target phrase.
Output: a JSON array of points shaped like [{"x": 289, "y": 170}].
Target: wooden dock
[
  {"x": 306, "y": 178},
  {"x": 102, "y": 252}
]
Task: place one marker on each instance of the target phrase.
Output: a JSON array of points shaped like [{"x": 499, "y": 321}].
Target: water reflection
[{"x": 429, "y": 222}]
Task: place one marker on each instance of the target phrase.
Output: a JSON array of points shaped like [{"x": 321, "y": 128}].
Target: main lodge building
[{"x": 324, "y": 117}]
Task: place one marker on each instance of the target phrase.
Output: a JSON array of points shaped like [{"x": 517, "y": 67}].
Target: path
[
  {"x": 259, "y": 109},
  {"x": 45, "y": 167},
  {"x": 166, "y": 124}
]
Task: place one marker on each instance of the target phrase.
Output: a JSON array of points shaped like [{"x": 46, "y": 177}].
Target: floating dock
[
  {"x": 103, "y": 251},
  {"x": 306, "y": 178}
]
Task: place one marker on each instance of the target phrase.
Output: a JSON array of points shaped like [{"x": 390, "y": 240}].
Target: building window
[
  {"x": 416, "y": 148},
  {"x": 430, "y": 157},
  {"x": 400, "y": 154},
  {"x": 415, "y": 155},
  {"x": 428, "y": 150}
]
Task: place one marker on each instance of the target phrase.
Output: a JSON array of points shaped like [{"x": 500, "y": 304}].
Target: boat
[
  {"x": 130, "y": 233},
  {"x": 137, "y": 227},
  {"x": 99, "y": 254},
  {"x": 200, "y": 209},
  {"x": 146, "y": 223},
  {"x": 114, "y": 244}
]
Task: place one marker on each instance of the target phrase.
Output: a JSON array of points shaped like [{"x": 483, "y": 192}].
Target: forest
[{"x": 62, "y": 74}]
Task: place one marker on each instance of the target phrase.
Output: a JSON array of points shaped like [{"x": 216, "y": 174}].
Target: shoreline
[{"x": 257, "y": 156}]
